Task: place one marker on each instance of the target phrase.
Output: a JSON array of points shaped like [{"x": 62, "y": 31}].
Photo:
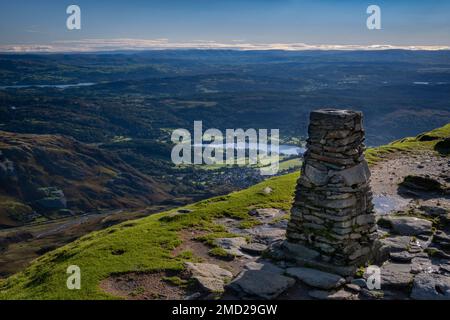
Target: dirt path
[{"x": 387, "y": 174}]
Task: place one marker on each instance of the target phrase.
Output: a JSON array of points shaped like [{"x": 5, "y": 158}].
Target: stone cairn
[{"x": 332, "y": 225}]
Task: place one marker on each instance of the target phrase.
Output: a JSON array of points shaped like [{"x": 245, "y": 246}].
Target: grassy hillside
[
  {"x": 147, "y": 244},
  {"x": 437, "y": 140}
]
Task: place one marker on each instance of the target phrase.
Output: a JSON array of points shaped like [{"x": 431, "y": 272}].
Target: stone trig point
[{"x": 332, "y": 225}]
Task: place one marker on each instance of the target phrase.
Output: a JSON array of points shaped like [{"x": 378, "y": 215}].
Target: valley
[{"x": 85, "y": 138}]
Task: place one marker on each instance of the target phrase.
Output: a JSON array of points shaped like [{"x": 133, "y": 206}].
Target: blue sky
[{"x": 343, "y": 22}]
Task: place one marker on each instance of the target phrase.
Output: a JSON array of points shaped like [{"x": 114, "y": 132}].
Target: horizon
[
  {"x": 293, "y": 25},
  {"x": 113, "y": 46}
]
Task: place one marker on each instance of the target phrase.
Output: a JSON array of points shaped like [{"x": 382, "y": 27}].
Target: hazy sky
[{"x": 412, "y": 22}]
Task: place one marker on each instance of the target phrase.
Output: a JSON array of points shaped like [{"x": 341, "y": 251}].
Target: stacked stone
[{"x": 332, "y": 215}]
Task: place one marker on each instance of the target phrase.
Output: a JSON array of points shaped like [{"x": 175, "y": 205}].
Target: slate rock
[
  {"x": 327, "y": 295},
  {"x": 231, "y": 245},
  {"x": 445, "y": 267},
  {"x": 254, "y": 248},
  {"x": 353, "y": 287},
  {"x": 300, "y": 251},
  {"x": 360, "y": 282},
  {"x": 423, "y": 264},
  {"x": 316, "y": 278},
  {"x": 260, "y": 284},
  {"x": 372, "y": 294},
  {"x": 211, "y": 285},
  {"x": 264, "y": 265},
  {"x": 431, "y": 286},
  {"x": 396, "y": 275},
  {"x": 409, "y": 226},
  {"x": 267, "y": 234},
  {"x": 384, "y": 246},
  {"x": 210, "y": 277},
  {"x": 403, "y": 256}
]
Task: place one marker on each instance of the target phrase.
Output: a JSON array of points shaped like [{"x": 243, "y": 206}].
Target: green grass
[
  {"x": 176, "y": 281},
  {"x": 146, "y": 245},
  {"x": 418, "y": 143},
  {"x": 220, "y": 253},
  {"x": 290, "y": 164}
]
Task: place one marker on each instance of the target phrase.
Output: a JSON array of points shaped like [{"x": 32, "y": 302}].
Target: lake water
[
  {"x": 284, "y": 149},
  {"x": 59, "y": 86}
]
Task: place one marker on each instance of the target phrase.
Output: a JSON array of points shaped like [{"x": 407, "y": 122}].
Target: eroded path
[{"x": 389, "y": 173}]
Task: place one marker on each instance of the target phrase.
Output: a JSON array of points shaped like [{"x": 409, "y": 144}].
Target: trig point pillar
[{"x": 332, "y": 225}]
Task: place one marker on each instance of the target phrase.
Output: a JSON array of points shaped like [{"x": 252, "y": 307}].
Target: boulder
[
  {"x": 267, "y": 190},
  {"x": 207, "y": 270},
  {"x": 443, "y": 146},
  {"x": 210, "y": 277},
  {"x": 421, "y": 182},
  {"x": 210, "y": 285}
]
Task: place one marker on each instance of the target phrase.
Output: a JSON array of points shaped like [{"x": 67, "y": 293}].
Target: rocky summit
[
  {"x": 236, "y": 246},
  {"x": 333, "y": 212}
]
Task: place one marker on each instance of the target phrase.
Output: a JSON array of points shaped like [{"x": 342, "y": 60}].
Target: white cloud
[{"x": 89, "y": 45}]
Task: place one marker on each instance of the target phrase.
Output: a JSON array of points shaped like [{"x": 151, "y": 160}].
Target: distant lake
[
  {"x": 426, "y": 83},
  {"x": 59, "y": 86},
  {"x": 284, "y": 149},
  {"x": 289, "y": 150}
]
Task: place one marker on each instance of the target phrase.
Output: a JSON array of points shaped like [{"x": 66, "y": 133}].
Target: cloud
[{"x": 91, "y": 45}]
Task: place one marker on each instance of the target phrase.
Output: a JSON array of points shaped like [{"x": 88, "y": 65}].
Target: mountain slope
[
  {"x": 147, "y": 245},
  {"x": 49, "y": 174}
]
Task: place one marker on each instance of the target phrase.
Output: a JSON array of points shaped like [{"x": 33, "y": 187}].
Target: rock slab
[{"x": 316, "y": 278}]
